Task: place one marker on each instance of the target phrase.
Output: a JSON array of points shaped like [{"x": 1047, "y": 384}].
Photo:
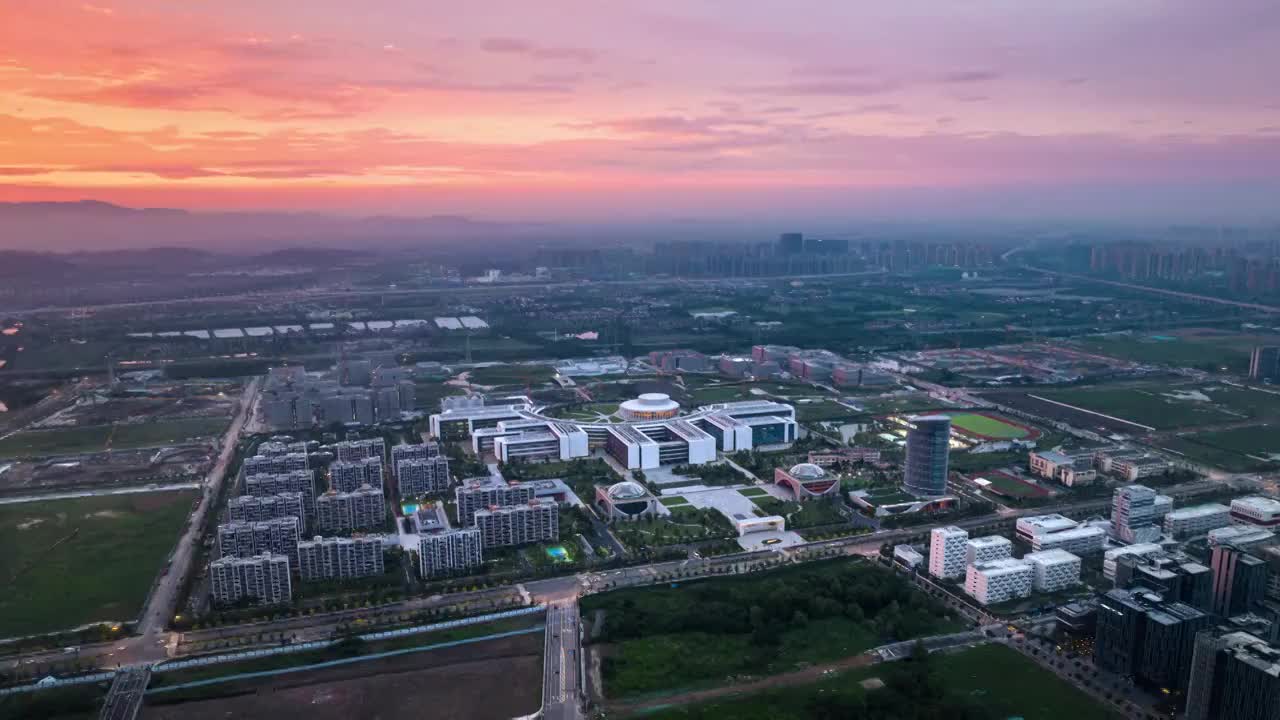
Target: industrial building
[
  {"x": 449, "y": 552},
  {"x": 1053, "y": 570},
  {"x": 336, "y": 558},
  {"x": 361, "y": 509},
  {"x": 262, "y": 578},
  {"x": 996, "y": 581},
  {"x": 947, "y": 552},
  {"x": 535, "y": 521},
  {"x": 928, "y": 447},
  {"x": 416, "y": 477}
]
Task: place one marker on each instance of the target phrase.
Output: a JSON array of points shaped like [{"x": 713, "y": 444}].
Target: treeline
[{"x": 767, "y": 606}]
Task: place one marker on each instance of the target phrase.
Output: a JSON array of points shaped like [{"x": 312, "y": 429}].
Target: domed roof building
[
  {"x": 626, "y": 500},
  {"x": 649, "y": 406},
  {"x": 807, "y": 481}
]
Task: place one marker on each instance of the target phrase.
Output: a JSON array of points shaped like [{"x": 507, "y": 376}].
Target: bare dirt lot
[{"x": 495, "y": 680}]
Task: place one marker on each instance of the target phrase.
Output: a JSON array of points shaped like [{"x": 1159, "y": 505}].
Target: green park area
[
  {"x": 988, "y": 426},
  {"x": 97, "y": 438},
  {"x": 72, "y": 562},
  {"x": 991, "y": 682},
  {"x": 715, "y": 631},
  {"x": 674, "y": 501},
  {"x": 824, "y": 411}
]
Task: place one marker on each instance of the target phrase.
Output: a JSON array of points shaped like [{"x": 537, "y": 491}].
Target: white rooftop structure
[
  {"x": 1256, "y": 510},
  {"x": 1110, "y": 557},
  {"x": 1029, "y": 527},
  {"x": 471, "y": 322},
  {"x": 448, "y": 323}
]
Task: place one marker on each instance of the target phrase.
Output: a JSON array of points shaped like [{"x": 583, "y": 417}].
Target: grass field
[
  {"x": 1181, "y": 352},
  {"x": 994, "y": 678},
  {"x": 673, "y": 501},
  {"x": 753, "y": 492},
  {"x": 71, "y": 562},
  {"x": 707, "y": 632},
  {"x": 1231, "y": 449},
  {"x": 1145, "y": 406},
  {"x": 95, "y": 438},
  {"x": 1013, "y": 487},
  {"x": 988, "y": 426},
  {"x": 822, "y": 411}
]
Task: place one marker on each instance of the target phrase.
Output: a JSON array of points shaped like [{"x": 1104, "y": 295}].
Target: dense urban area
[{"x": 810, "y": 477}]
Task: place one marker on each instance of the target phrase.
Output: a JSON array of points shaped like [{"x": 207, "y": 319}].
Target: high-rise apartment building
[
  {"x": 422, "y": 476},
  {"x": 335, "y": 558},
  {"x": 362, "y": 509},
  {"x": 347, "y": 475},
  {"x": 481, "y": 494},
  {"x": 275, "y": 464},
  {"x": 449, "y": 552},
  {"x": 535, "y": 521},
  {"x": 421, "y": 451},
  {"x": 256, "y": 508},
  {"x": 278, "y": 536},
  {"x": 359, "y": 449},
  {"x": 262, "y": 578},
  {"x": 928, "y": 448}
]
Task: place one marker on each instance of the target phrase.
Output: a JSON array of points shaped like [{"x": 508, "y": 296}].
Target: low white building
[
  {"x": 999, "y": 580},
  {"x": 984, "y": 549},
  {"x": 1082, "y": 540},
  {"x": 947, "y": 552},
  {"x": 908, "y": 556},
  {"x": 1258, "y": 510},
  {"x": 1139, "y": 549},
  {"x": 1029, "y": 527},
  {"x": 1053, "y": 570},
  {"x": 1196, "y": 520}
]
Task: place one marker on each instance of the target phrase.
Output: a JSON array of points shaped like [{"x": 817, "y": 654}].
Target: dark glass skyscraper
[{"x": 928, "y": 445}]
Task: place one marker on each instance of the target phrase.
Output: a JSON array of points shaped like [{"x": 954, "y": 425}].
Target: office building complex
[
  {"x": 1083, "y": 540},
  {"x": 996, "y": 581},
  {"x": 1234, "y": 676},
  {"x": 256, "y": 508},
  {"x": 416, "y": 477},
  {"x": 485, "y": 493},
  {"x": 263, "y": 579},
  {"x": 347, "y": 475},
  {"x": 1133, "y": 514},
  {"x": 1239, "y": 580},
  {"x": 535, "y": 521},
  {"x": 455, "y": 551},
  {"x": 1142, "y": 636},
  {"x": 984, "y": 549},
  {"x": 361, "y": 509},
  {"x": 1174, "y": 577},
  {"x": 245, "y": 539},
  {"x": 335, "y": 558},
  {"x": 1053, "y": 570},
  {"x": 1198, "y": 520},
  {"x": 947, "y": 552},
  {"x": 1259, "y": 511},
  {"x": 928, "y": 446}
]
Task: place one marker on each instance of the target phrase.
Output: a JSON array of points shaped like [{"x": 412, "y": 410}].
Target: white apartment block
[
  {"x": 535, "y": 521},
  {"x": 416, "y": 477},
  {"x": 486, "y": 493},
  {"x": 340, "y": 558},
  {"x": 999, "y": 580},
  {"x": 274, "y": 464},
  {"x": 947, "y": 548},
  {"x": 1082, "y": 540},
  {"x": 359, "y": 449},
  {"x": 362, "y": 509},
  {"x": 347, "y": 475},
  {"x": 278, "y": 536},
  {"x": 299, "y": 481},
  {"x": 1196, "y": 520},
  {"x": 1053, "y": 570},
  {"x": 263, "y": 578},
  {"x": 256, "y": 508},
  {"x": 421, "y": 451},
  {"x": 449, "y": 552},
  {"x": 984, "y": 549}
]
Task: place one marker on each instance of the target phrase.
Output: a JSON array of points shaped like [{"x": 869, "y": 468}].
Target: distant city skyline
[{"x": 586, "y": 111}]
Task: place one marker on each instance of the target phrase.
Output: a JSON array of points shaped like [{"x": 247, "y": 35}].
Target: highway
[{"x": 561, "y": 683}]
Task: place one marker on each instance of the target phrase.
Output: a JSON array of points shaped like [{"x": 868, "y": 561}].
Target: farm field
[
  {"x": 1172, "y": 350},
  {"x": 1145, "y": 406},
  {"x": 97, "y": 438},
  {"x": 72, "y": 562},
  {"x": 988, "y": 426},
  {"x": 706, "y": 632}
]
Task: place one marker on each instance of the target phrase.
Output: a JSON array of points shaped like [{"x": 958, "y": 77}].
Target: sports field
[
  {"x": 70, "y": 562},
  {"x": 989, "y": 426},
  {"x": 1009, "y": 486}
]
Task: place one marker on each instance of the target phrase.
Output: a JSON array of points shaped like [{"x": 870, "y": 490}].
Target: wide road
[{"x": 561, "y": 683}]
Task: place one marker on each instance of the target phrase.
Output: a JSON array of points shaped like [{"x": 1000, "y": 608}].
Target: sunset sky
[{"x": 599, "y": 108}]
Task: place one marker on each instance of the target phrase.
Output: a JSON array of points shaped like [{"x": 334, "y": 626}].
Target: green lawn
[
  {"x": 712, "y": 631},
  {"x": 1180, "y": 352},
  {"x": 753, "y": 492},
  {"x": 673, "y": 500},
  {"x": 823, "y": 410},
  {"x": 992, "y": 680},
  {"x": 1229, "y": 449},
  {"x": 71, "y": 562},
  {"x": 95, "y": 438},
  {"x": 988, "y": 426}
]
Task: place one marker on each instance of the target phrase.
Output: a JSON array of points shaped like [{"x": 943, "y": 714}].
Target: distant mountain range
[{"x": 91, "y": 225}]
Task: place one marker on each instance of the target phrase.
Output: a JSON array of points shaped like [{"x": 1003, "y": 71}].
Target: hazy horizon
[{"x": 586, "y": 112}]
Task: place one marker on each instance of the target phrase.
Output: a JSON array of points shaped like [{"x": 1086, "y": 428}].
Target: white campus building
[
  {"x": 984, "y": 549},
  {"x": 999, "y": 580},
  {"x": 1196, "y": 520},
  {"x": 1082, "y": 540},
  {"x": 1053, "y": 570},
  {"x": 1256, "y": 510},
  {"x": 947, "y": 551}
]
